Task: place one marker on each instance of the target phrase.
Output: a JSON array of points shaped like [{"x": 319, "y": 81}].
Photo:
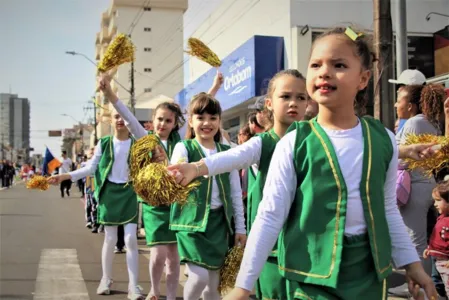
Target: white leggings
[
  {"x": 132, "y": 254},
  {"x": 164, "y": 255},
  {"x": 201, "y": 282}
]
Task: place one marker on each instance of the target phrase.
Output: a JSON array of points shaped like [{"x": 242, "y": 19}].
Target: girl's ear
[
  {"x": 269, "y": 103},
  {"x": 364, "y": 79}
]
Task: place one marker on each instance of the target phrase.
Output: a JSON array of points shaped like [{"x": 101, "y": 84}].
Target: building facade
[
  {"x": 157, "y": 32},
  {"x": 14, "y": 127},
  {"x": 297, "y": 23}
]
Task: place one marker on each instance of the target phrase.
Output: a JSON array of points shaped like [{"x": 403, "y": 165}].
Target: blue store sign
[{"x": 246, "y": 72}]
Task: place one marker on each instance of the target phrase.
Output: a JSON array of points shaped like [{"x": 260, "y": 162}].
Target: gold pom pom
[
  {"x": 141, "y": 154},
  {"x": 157, "y": 187},
  {"x": 38, "y": 183},
  {"x": 120, "y": 51},
  {"x": 204, "y": 53},
  {"x": 436, "y": 161},
  {"x": 230, "y": 269},
  {"x": 151, "y": 181}
]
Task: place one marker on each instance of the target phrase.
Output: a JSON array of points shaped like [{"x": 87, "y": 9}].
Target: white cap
[{"x": 409, "y": 77}]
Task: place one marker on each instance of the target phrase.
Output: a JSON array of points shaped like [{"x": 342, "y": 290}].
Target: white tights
[
  {"x": 132, "y": 254},
  {"x": 164, "y": 255},
  {"x": 201, "y": 282}
]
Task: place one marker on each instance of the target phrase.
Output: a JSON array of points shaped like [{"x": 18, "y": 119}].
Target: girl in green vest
[
  {"x": 287, "y": 101},
  {"x": 167, "y": 119},
  {"x": 203, "y": 226},
  {"x": 117, "y": 202}
]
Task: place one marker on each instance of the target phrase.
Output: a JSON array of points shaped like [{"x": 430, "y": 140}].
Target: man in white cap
[{"x": 409, "y": 77}]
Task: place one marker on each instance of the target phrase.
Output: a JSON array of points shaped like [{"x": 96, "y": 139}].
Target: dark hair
[
  {"x": 271, "y": 85},
  {"x": 200, "y": 104},
  {"x": 363, "y": 46},
  {"x": 252, "y": 118},
  {"x": 432, "y": 103},
  {"x": 64, "y": 152},
  {"x": 441, "y": 191},
  {"x": 176, "y": 109},
  {"x": 414, "y": 94},
  {"x": 246, "y": 130}
]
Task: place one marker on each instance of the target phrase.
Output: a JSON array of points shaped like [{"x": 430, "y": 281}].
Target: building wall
[{"x": 15, "y": 125}]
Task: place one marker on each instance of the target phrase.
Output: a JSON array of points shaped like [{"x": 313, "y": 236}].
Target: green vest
[
  {"x": 256, "y": 182},
  {"x": 105, "y": 165},
  {"x": 311, "y": 242},
  {"x": 194, "y": 216}
]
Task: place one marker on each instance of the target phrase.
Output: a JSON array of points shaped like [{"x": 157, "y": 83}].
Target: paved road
[{"x": 47, "y": 253}]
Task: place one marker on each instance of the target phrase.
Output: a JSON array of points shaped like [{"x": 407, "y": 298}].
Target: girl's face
[
  {"x": 403, "y": 105},
  {"x": 441, "y": 205},
  {"x": 335, "y": 73},
  {"x": 117, "y": 121},
  {"x": 164, "y": 121},
  {"x": 288, "y": 101},
  {"x": 205, "y": 125},
  {"x": 243, "y": 137}
]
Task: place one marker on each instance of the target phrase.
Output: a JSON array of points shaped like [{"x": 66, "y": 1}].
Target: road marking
[{"x": 59, "y": 276}]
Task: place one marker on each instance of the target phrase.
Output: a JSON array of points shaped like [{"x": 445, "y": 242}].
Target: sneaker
[
  {"x": 117, "y": 250},
  {"x": 135, "y": 293},
  {"x": 105, "y": 287},
  {"x": 400, "y": 291},
  {"x": 151, "y": 297},
  {"x": 89, "y": 225},
  {"x": 94, "y": 229}
]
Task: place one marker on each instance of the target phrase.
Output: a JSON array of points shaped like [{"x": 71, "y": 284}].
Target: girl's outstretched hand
[
  {"x": 57, "y": 179},
  {"x": 417, "y": 278},
  {"x": 184, "y": 172}
]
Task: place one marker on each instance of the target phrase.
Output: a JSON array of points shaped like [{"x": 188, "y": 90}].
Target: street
[{"x": 47, "y": 253}]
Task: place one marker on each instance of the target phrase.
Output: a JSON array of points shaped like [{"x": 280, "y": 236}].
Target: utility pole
[
  {"x": 383, "y": 68},
  {"x": 131, "y": 91},
  {"x": 401, "y": 36},
  {"x": 94, "y": 108}
]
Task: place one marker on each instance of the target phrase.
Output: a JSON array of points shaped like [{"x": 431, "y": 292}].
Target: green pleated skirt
[
  {"x": 117, "y": 204},
  {"x": 206, "y": 249},
  {"x": 156, "y": 222},
  {"x": 357, "y": 278}
]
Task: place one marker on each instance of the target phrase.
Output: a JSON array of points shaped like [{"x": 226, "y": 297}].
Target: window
[
  {"x": 147, "y": 29},
  {"x": 147, "y": 9},
  {"x": 147, "y": 90},
  {"x": 147, "y": 69},
  {"x": 147, "y": 49}
]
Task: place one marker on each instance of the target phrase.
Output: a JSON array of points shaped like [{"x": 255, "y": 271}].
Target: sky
[{"x": 33, "y": 63}]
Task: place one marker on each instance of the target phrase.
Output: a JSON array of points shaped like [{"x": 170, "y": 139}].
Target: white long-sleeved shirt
[
  {"x": 180, "y": 153},
  {"x": 120, "y": 169},
  {"x": 131, "y": 122},
  {"x": 240, "y": 157},
  {"x": 279, "y": 193}
]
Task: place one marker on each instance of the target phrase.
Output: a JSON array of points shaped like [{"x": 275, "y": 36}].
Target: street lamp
[{"x": 81, "y": 131}]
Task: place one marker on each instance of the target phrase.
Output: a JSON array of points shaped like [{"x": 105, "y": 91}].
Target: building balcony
[
  {"x": 97, "y": 51},
  {"x": 112, "y": 30},
  {"x": 105, "y": 19},
  {"x": 104, "y": 35}
]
